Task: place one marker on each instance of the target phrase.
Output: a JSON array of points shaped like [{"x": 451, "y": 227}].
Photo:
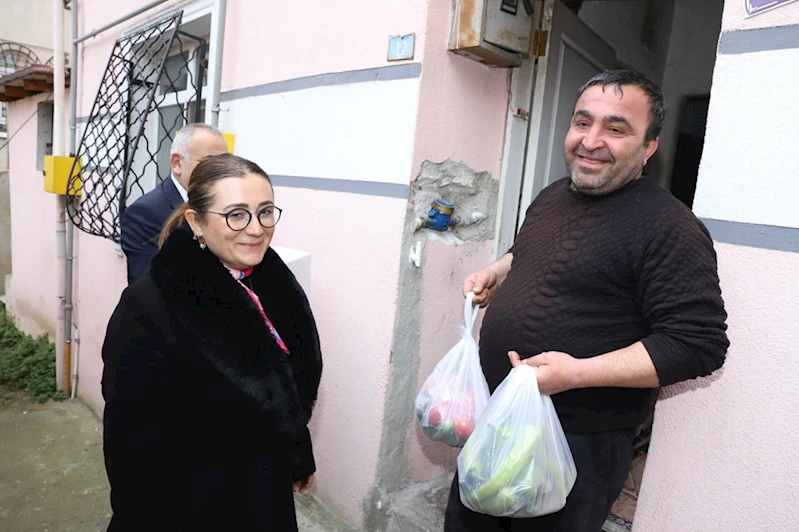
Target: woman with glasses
[{"x": 212, "y": 365}]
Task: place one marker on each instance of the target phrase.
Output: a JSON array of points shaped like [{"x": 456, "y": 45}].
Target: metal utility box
[
  {"x": 57, "y": 173},
  {"x": 494, "y": 32}
]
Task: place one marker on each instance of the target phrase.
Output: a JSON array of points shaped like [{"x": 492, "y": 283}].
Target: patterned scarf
[{"x": 239, "y": 276}]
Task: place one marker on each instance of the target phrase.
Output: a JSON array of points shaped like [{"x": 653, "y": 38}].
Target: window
[{"x": 181, "y": 85}]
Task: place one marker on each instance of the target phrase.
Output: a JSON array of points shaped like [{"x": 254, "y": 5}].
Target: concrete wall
[{"x": 723, "y": 449}]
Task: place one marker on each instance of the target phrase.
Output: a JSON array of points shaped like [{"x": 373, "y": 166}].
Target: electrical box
[
  {"x": 230, "y": 138},
  {"x": 56, "y": 175},
  {"x": 494, "y": 32}
]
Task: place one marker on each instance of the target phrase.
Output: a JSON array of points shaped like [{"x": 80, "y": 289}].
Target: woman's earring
[{"x": 201, "y": 240}]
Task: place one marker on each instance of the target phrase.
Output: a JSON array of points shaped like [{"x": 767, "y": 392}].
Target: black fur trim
[{"x": 224, "y": 325}]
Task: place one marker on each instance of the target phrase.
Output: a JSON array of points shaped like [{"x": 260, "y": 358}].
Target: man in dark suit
[{"x": 142, "y": 222}]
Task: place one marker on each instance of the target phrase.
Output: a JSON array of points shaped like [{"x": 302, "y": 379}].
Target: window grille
[{"x": 151, "y": 87}]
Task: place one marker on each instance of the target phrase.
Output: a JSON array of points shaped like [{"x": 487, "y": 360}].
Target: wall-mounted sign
[
  {"x": 755, "y": 7},
  {"x": 400, "y": 47}
]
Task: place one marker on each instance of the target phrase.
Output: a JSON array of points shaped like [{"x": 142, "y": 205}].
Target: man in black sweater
[{"x": 610, "y": 290}]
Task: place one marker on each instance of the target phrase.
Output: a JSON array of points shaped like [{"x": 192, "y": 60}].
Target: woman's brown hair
[{"x": 207, "y": 172}]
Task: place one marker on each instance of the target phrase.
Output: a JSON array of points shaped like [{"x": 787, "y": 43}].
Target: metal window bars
[{"x": 151, "y": 87}]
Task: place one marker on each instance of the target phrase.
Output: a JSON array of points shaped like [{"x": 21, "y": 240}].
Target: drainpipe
[
  {"x": 215, "y": 58},
  {"x": 73, "y": 149},
  {"x": 58, "y": 150}
]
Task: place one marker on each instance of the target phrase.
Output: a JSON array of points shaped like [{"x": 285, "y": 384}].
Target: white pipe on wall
[
  {"x": 60, "y": 206},
  {"x": 70, "y": 353},
  {"x": 58, "y": 77},
  {"x": 215, "y": 60}
]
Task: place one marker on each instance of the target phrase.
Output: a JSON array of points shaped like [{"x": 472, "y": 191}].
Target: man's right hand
[{"x": 483, "y": 283}]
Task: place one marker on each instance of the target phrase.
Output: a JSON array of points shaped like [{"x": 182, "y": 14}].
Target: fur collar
[{"x": 224, "y": 325}]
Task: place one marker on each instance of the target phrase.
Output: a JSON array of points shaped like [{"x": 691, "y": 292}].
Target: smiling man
[{"x": 610, "y": 290}]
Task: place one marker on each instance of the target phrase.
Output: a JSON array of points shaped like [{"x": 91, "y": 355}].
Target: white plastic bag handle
[{"x": 469, "y": 313}]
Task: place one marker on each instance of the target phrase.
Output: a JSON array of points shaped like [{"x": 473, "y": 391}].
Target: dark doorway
[{"x": 688, "y": 153}]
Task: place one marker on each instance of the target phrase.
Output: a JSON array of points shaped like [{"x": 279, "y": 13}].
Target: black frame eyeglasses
[{"x": 239, "y": 218}]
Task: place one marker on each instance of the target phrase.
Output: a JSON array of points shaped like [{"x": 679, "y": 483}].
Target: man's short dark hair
[{"x": 624, "y": 78}]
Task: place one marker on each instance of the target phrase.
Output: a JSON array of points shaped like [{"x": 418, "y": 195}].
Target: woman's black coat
[{"x": 205, "y": 421}]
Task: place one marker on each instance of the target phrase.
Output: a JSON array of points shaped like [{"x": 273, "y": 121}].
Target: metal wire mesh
[{"x": 151, "y": 87}]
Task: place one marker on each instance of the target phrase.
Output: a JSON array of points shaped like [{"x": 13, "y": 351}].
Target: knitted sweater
[{"x": 592, "y": 275}]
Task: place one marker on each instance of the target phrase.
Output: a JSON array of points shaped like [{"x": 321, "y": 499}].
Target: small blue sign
[
  {"x": 400, "y": 47},
  {"x": 755, "y": 7}
]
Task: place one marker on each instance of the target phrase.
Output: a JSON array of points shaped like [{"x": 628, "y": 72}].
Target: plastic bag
[
  {"x": 517, "y": 462},
  {"x": 455, "y": 395}
]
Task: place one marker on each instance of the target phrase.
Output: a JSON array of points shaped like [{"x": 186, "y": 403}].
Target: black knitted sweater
[{"x": 595, "y": 274}]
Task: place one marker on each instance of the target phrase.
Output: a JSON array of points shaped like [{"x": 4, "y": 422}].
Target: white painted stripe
[
  {"x": 357, "y": 131},
  {"x": 748, "y": 169}
]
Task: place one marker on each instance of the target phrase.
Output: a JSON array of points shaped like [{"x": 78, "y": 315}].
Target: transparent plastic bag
[
  {"x": 454, "y": 396},
  {"x": 517, "y": 462}
]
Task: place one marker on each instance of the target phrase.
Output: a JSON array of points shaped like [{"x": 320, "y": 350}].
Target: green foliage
[{"x": 27, "y": 363}]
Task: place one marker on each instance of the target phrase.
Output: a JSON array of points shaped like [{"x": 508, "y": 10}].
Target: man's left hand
[{"x": 556, "y": 372}]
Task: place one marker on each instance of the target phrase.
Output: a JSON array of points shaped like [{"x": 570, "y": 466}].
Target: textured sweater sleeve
[{"x": 681, "y": 300}]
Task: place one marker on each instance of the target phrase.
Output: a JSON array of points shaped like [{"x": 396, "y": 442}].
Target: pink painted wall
[
  {"x": 724, "y": 450},
  {"x": 314, "y": 37},
  {"x": 354, "y": 270},
  {"x": 33, "y": 224},
  {"x": 100, "y": 278},
  {"x": 462, "y": 112}
]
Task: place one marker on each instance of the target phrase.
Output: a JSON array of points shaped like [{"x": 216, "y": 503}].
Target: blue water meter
[{"x": 440, "y": 215}]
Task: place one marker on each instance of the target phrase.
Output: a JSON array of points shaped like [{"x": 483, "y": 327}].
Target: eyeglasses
[{"x": 238, "y": 219}]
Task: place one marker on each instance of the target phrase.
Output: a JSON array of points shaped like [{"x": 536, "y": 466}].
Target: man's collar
[{"x": 181, "y": 190}]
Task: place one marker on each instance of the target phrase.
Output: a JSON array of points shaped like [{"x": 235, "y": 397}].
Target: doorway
[{"x": 671, "y": 41}]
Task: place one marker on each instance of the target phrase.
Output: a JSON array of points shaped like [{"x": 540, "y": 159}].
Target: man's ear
[
  {"x": 176, "y": 162},
  {"x": 651, "y": 148}
]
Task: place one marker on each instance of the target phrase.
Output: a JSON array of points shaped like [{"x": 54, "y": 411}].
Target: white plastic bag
[
  {"x": 453, "y": 398},
  {"x": 517, "y": 462}
]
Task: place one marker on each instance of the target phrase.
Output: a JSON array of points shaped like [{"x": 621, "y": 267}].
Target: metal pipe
[
  {"x": 77, "y": 363},
  {"x": 215, "y": 58},
  {"x": 73, "y": 83},
  {"x": 58, "y": 78},
  {"x": 70, "y": 226},
  {"x": 120, "y": 20},
  {"x": 62, "y": 349}
]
